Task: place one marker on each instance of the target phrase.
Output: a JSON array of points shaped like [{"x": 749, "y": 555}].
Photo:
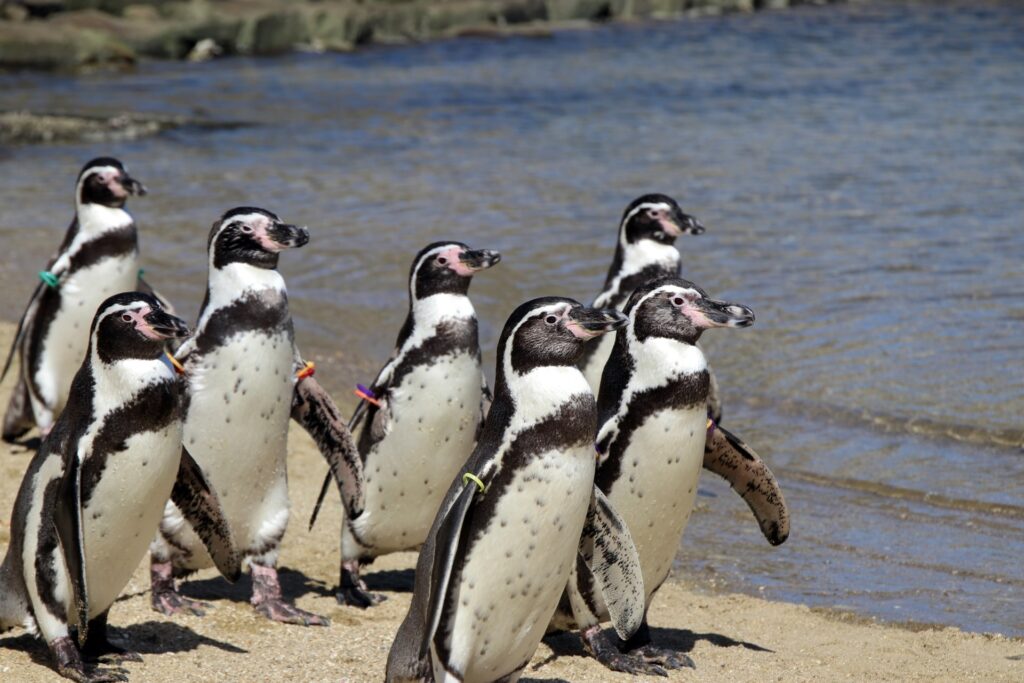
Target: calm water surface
[{"x": 859, "y": 170}]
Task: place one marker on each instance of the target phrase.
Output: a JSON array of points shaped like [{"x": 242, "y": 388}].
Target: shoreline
[
  {"x": 731, "y": 637},
  {"x": 89, "y": 34}
]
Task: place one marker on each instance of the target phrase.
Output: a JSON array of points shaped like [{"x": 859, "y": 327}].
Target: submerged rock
[{"x": 22, "y": 127}]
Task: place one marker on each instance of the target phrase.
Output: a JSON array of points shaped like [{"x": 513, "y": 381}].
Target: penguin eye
[
  {"x": 678, "y": 301},
  {"x": 126, "y": 317},
  {"x": 442, "y": 260},
  {"x": 551, "y": 320},
  {"x": 652, "y": 213},
  {"x": 247, "y": 229}
]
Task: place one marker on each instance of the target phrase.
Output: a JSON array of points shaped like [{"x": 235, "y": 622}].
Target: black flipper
[
  {"x": 608, "y": 552},
  {"x": 67, "y": 518},
  {"x": 313, "y": 408},
  {"x": 199, "y": 505},
  {"x": 24, "y": 325},
  {"x": 19, "y": 417},
  {"x": 143, "y": 286},
  {"x": 748, "y": 475},
  {"x": 447, "y": 541},
  {"x": 357, "y": 415}
]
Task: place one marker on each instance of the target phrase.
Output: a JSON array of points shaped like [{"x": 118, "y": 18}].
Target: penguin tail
[{"x": 19, "y": 417}]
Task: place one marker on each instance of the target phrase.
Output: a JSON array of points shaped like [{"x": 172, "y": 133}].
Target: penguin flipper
[
  {"x": 199, "y": 505},
  {"x": 165, "y": 303},
  {"x": 447, "y": 541},
  {"x": 313, "y": 408},
  {"x": 25, "y": 324},
  {"x": 748, "y": 475},
  {"x": 608, "y": 552},
  {"x": 67, "y": 519}
]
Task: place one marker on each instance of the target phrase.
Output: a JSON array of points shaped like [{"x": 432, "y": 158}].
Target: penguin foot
[
  {"x": 356, "y": 596},
  {"x": 266, "y": 598},
  {"x": 353, "y": 590},
  {"x": 69, "y": 665},
  {"x": 112, "y": 654},
  {"x": 171, "y": 603},
  {"x": 281, "y": 611},
  {"x": 663, "y": 657}
]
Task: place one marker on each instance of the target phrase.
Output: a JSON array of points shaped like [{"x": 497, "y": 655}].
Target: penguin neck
[
  {"x": 427, "y": 313},
  {"x": 660, "y": 360},
  {"x": 634, "y": 258},
  {"x": 117, "y": 381},
  {"x": 540, "y": 391},
  {"x": 234, "y": 281},
  {"x": 96, "y": 219}
]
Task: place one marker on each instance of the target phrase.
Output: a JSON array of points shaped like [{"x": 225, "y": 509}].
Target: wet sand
[{"x": 730, "y": 637}]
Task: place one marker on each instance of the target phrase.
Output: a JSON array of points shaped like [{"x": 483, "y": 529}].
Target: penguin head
[
  {"x": 133, "y": 325},
  {"x": 675, "y": 308},
  {"x": 552, "y": 331},
  {"x": 105, "y": 181},
  {"x": 655, "y": 217},
  {"x": 252, "y": 236},
  {"x": 447, "y": 267}
]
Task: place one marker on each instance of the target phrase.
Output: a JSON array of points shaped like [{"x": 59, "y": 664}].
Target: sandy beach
[{"x": 730, "y": 637}]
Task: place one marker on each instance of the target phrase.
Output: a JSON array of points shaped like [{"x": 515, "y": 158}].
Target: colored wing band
[
  {"x": 178, "y": 367},
  {"x": 367, "y": 395},
  {"x": 470, "y": 477},
  {"x": 308, "y": 370},
  {"x": 49, "y": 279}
]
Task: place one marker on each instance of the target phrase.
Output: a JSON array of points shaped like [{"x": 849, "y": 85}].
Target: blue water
[{"x": 859, "y": 169}]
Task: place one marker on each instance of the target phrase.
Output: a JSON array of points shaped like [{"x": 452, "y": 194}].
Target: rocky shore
[{"x": 71, "y": 35}]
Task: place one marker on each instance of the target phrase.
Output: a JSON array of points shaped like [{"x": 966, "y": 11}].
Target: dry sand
[{"x": 731, "y": 637}]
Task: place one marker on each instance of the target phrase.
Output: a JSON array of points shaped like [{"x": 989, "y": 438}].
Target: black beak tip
[
  {"x": 301, "y": 236},
  {"x": 696, "y": 228}
]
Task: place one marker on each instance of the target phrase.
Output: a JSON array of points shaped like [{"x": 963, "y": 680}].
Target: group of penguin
[{"x": 555, "y": 503}]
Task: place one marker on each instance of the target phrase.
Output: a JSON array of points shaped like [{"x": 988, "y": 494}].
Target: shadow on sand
[
  {"x": 294, "y": 584},
  {"x": 679, "y": 639},
  {"x": 147, "y": 638}
]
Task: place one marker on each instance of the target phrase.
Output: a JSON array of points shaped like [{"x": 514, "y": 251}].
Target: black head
[
  {"x": 133, "y": 325},
  {"x": 252, "y": 236},
  {"x": 105, "y": 181},
  {"x": 447, "y": 267},
  {"x": 655, "y": 217},
  {"x": 675, "y": 308},
  {"x": 552, "y": 331}
]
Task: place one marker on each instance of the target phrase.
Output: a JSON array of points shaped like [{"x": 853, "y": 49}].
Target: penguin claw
[
  {"x": 357, "y": 597},
  {"x": 668, "y": 659},
  {"x": 280, "y": 611},
  {"x": 170, "y": 603}
]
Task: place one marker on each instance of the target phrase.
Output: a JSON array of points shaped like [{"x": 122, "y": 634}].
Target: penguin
[
  {"x": 429, "y": 403},
  {"x": 506, "y": 537},
  {"x": 645, "y": 251},
  {"x": 98, "y": 258},
  {"x": 239, "y": 372},
  {"x": 94, "y": 493},
  {"x": 653, "y": 442}
]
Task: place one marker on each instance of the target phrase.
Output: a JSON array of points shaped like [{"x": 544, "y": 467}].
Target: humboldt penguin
[
  {"x": 505, "y": 539},
  {"x": 98, "y": 258},
  {"x": 653, "y": 441},
  {"x": 239, "y": 369},
  {"x": 421, "y": 415},
  {"x": 94, "y": 493},
  {"x": 645, "y": 251}
]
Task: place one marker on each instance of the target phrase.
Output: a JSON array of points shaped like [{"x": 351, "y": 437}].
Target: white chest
[
  {"x": 657, "y": 485},
  {"x": 515, "y": 572},
  {"x": 435, "y": 413},
  {"x": 125, "y": 509}
]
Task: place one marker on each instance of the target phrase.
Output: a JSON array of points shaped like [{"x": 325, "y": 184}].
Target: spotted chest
[
  {"x": 236, "y": 426},
  {"x": 435, "y": 415},
  {"x": 657, "y": 484},
  {"x": 515, "y": 571}
]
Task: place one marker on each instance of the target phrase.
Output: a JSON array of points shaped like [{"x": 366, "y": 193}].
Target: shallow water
[{"x": 859, "y": 170}]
